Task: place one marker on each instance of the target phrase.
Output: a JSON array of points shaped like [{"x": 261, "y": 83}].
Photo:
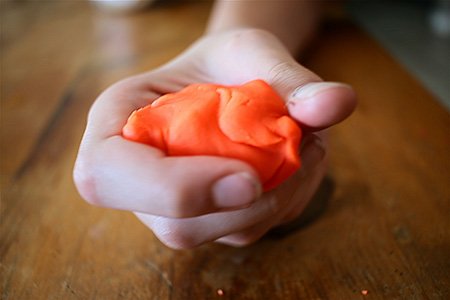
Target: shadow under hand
[{"x": 312, "y": 211}]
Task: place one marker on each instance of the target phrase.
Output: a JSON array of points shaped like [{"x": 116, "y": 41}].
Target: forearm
[{"x": 293, "y": 22}]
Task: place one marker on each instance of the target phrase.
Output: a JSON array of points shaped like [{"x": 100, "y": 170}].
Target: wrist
[{"x": 292, "y": 22}]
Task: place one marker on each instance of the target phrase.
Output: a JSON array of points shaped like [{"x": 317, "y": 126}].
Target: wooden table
[{"x": 385, "y": 230}]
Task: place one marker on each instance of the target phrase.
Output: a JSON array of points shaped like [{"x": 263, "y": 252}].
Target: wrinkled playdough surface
[{"x": 248, "y": 122}]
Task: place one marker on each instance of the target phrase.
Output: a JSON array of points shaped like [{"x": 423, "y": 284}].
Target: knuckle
[
  {"x": 174, "y": 235},
  {"x": 286, "y": 73},
  {"x": 243, "y": 239},
  {"x": 85, "y": 181},
  {"x": 280, "y": 69}
]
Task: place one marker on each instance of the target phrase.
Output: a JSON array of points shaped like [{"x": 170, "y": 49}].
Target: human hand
[{"x": 188, "y": 201}]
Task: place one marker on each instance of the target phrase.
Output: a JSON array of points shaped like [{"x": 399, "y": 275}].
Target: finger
[
  {"x": 190, "y": 232},
  {"x": 305, "y": 184},
  {"x": 120, "y": 174},
  {"x": 318, "y": 105},
  {"x": 311, "y": 174},
  {"x": 111, "y": 110}
]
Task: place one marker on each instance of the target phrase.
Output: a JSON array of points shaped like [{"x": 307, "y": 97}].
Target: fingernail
[
  {"x": 314, "y": 88},
  {"x": 236, "y": 190}
]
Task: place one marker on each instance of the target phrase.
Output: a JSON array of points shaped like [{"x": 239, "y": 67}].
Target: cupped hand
[{"x": 188, "y": 201}]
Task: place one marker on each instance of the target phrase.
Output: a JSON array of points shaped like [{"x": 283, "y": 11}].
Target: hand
[{"x": 188, "y": 201}]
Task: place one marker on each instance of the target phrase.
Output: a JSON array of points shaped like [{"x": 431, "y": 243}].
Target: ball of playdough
[{"x": 248, "y": 122}]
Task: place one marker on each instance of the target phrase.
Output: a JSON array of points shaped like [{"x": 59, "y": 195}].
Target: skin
[
  {"x": 189, "y": 201},
  {"x": 293, "y": 22}
]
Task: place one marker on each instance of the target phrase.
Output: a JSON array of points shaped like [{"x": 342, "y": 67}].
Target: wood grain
[{"x": 385, "y": 229}]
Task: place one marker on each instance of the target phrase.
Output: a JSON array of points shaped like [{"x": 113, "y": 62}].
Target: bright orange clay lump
[{"x": 248, "y": 122}]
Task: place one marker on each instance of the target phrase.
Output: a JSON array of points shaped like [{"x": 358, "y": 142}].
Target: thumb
[
  {"x": 311, "y": 101},
  {"x": 314, "y": 103},
  {"x": 207, "y": 184}
]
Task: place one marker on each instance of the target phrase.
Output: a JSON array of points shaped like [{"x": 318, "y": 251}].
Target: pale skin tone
[{"x": 189, "y": 201}]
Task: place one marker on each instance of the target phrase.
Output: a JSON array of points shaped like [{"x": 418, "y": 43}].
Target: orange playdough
[{"x": 248, "y": 122}]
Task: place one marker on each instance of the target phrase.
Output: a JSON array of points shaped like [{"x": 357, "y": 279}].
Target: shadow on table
[
  {"x": 312, "y": 211},
  {"x": 260, "y": 269}
]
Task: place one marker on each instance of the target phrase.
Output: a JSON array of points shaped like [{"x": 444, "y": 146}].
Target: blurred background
[{"x": 416, "y": 32}]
